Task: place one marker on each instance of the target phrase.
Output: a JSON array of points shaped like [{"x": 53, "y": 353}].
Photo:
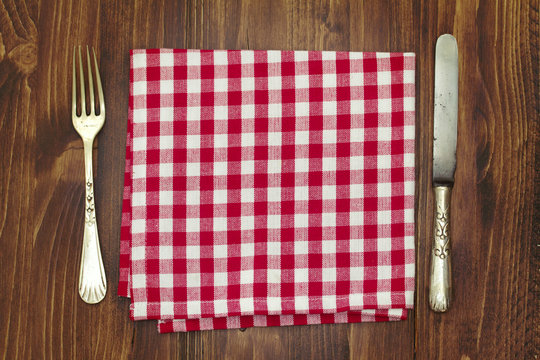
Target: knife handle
[{"x": 440, "y": 289}]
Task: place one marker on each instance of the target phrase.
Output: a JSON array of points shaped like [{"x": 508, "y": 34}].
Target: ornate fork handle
[{"x": 92, "y": 280}]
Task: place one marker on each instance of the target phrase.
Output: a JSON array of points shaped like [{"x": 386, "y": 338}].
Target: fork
[{"x": 92, "y": 280}]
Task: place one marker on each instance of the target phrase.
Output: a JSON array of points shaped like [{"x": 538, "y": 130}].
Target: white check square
[
  {"x": 248, "y": 111},
  {"x": 193, "y": 141},
  {"x": 302, "y": 165},
  {"x": 193, "y": 169},
  {"x": 301, "y": 137},
  {"x": 138, "y": 199},
  {"x": 329, "y": 192},
  {"x": 166, "y": 114},
  {"x": 384, "y": 78},
  {"x": 384, "y": 189},
  {"x": 193, "y": 252},
  {"x": 139, "y": 60},
  {"x": 166, "y": 86},
  {"x": 274, "y": 221},
  {"x": 220, "y": 57},
  {"x": 220, "y": 196},
  {"x": 301, "y": 109},
  {"x": 166, "y": 280},
  {"x": 329, "y": 80},
  {"x": 139, "y": 88},
  {"x": 301, "y": 193},
  {"x": 329, "y": 246},
  {"x": 193, "y": 280},
  {"x": 273, "y": 248},
  {"x": 301, "y": 275},
  {"x": 220, "y": 279},
  {"x": 220, "y": 168},
  {"x": 274, "y": 139},
  {"x": 193, "y": 197},
  {"x": 274, "y": 276},
  {"x": 274, "y": 166},
  {"x": 329, "y": 301},
  {"x": 139, "y": 171},
  {"x": 384, "y": 105},
  {"x": 329, "y": 219},
  {"x": 247, "y": 195},
  {"x": 220, "y": 224},
  {"x": 248, "y": 139},
  {"x": 329, "y": 164},
  {"x": 356, "y": 218},
  {"x": 247, "y": 249},
  {"x": 220, "y": 113},
  {"x": 274, "y": 110},
  {"x": 139, "y": 144},
  {"x": 301, "y": 247},
  {"x": 274, "y": 193},
  {"x": 246, "y": 305},
  {"x": 329, "y": 108},
  {"x": 329, "y": 274},
  {"x": 384, "y": 133},
  {"x": 220, "y": 140},
  {"x": 194, "y": 86},
  {"x": 193, "y": 58},
  {"x": 301, "y": 220},
  {"x": 220, "y": 307},
  {"x": 246, "y": 277},
  {"x": 193, "y": 113},
  {"x": 384, "y": 161},
  {"x": 166, "y": 142},
  {"x": 165, "y": 170},
  {"x": 274, "y": 83},
  {"x": 139, "y": 116},
  {"x": 301, "y": 81},
  {"x": 165, "y": 252},
  {"x": 329, "y": 136},
  {"x": 248, "y": 84},
  {"x": 247, "y": 223},
  {"x": 247, "y": 167},
  {"x": 165, "y": 198},
  {"x": 193, "y": 225}
]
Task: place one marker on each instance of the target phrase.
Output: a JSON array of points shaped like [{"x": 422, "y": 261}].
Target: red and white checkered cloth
[{"x": 268, "y": 188}]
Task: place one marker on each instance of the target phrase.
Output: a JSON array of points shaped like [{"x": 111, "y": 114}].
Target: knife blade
[{"x": 445, "y": 117}]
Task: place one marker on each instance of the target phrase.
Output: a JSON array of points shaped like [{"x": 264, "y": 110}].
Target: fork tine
[
  {"x": 81, "y": 82},
  {"x": 74, "y": 88},
  {"x": 99, "y": 87},
  {"x": 90, "y": 83}
]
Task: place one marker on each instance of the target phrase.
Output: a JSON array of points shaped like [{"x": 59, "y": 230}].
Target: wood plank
[
  {"x": 495, "y": 234},
  {"x": 18, "y": 58},
  {"x": 492, "y": 213}
]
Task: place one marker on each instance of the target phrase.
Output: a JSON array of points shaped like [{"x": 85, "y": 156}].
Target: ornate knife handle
[
  {"x": 440, "y": 289},
  {"x": 92, "y": 280}
]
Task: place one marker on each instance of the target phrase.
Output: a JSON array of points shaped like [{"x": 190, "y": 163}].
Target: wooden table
[{"x": 495, "y": 203}]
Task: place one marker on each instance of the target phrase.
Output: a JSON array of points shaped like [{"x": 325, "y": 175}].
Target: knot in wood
[{"x": 24, "y": 57}]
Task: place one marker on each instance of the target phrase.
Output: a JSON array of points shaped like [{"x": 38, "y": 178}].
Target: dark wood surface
[{"x": 495, "y": 199}]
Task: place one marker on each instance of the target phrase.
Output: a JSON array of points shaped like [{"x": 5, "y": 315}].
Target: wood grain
[{"x": 496, "y": 202}]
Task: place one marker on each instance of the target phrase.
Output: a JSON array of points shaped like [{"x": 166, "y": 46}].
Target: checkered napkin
[{"x": 268, "y": 188}]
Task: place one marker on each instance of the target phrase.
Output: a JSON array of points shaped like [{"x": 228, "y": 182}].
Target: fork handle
[{"x": 92, "y": 280}]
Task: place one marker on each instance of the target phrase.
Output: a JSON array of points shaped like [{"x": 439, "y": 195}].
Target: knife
[{"x": 445, "y": 115}]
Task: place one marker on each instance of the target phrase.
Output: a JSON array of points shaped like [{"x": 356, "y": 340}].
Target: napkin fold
[{"x": 268, "y": 188}]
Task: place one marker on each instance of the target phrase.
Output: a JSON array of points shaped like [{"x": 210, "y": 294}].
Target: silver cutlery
[
  {"x": 92, "y": 280},
  {"x": 444, "y": 166}
]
